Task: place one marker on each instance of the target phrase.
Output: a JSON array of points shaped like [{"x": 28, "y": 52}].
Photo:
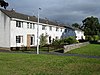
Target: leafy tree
[
  {"x": 76, "y": 25},
  {"x": 43, "y": 39},
  {"x": 91, "y": 26},
  {"x": 3, "y": 4}
]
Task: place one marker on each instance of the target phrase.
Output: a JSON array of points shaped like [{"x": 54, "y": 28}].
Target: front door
[{"x": 28, "y": 40}]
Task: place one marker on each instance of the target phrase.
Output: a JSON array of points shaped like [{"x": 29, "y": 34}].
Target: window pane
[
  {"x": 18, "y": 24},
  {"x": 43, "y": 27},
  {"x": 33, "y": 25},
  {"x": 18, "y": 39},
  {"x": 27, "y": 25},
  {"x": 50, "y": 27},
  {"x": 30, "y": 25},
  {"x": 57, "y": 28}
]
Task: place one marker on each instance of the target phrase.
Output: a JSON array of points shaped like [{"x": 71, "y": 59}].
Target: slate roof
[{"x": 14, "y": 14}]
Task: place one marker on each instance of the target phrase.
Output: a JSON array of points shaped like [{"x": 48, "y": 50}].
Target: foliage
[
  {"x": 43, "y": 39},
  {"x": 69, "y": 40},
  {"x": 31, "y": 64},
  {"x": 92, "y": 38},
  {"x": 91, "y": 26},
  {"x": 76, "y": 25},
  {"x": 3, "y": 4},
  {"x": 59, "y": 42}
]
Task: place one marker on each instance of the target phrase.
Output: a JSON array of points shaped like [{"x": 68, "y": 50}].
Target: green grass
[
  {"x": 31, "y": 64},
  {"x": 91, "y": 49}
]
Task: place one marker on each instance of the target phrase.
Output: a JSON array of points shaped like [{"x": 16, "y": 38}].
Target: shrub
[
  {"x": 92, "y": 38},
  {"x": 71, "y": 40},
  {"x": 43, "y": 39},
  {"x": 96, "y": 37}
]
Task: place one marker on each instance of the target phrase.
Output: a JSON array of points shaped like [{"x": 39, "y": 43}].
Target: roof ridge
[{"x": 14, "y": 14}]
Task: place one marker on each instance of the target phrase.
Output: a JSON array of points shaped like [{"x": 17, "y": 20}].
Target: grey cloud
[{"x": 67, "y": 11}]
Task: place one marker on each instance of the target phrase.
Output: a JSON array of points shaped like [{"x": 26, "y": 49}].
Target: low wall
[
  {"x": 3, "y": 48},
  {"x": 74, "y": 46}
]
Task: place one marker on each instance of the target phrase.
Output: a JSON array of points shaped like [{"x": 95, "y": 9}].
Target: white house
[
  {"x": 18, "y": 30},
  {"x": 79, "y": 34},
  {"x": 70, "y": 31}
]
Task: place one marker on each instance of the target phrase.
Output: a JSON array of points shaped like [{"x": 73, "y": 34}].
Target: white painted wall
[
  {"x": 4, "y": 30},
  {"x": 79, "y": 34}
]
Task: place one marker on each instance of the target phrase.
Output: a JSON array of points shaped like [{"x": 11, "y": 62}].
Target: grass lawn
[
  {"x": 91, "y": 49},
  {"x": 31, "y": 64}
]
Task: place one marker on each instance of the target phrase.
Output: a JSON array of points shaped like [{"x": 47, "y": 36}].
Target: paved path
[{"x": 54, "y": 53}]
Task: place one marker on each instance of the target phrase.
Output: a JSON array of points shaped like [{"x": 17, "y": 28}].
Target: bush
[
  {"x": 92, "y": 38},
  {"x": 43, "y": 39},
  {"x": 71, "y": 40},
  {"x": 96, "y": 37}
]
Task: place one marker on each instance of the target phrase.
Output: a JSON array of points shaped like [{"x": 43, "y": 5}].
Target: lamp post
[{"x": 38, "y": 31}]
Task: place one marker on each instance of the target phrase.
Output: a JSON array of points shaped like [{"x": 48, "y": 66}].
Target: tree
[
  {"x": 91, "y": 26},
  {"x": 76, "y": 25},
  {"x": 43, "y": 39},
  {"x": 3, "y": 4}
]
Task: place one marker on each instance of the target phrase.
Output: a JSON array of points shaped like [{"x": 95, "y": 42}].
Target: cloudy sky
[{"x": 65, "y": 11}]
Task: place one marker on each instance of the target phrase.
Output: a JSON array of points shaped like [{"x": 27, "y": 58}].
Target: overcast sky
[{"x": 65, "y": 11}]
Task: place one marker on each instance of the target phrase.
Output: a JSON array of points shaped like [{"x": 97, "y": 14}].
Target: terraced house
[{"x": 18, "y": 30}]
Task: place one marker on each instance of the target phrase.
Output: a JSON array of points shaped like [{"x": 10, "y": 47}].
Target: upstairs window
[
  {"x": 50, "y": 27},
  {"x": 43, "y": 27},
  {"x": 65, "y": 30},
  {"x": 33, "y": 25},
  {"x": 61, "y": 29},
  {"x": 28, "y": 25},
  {"x": 57, "y": 28},
  {"x": 19, "y": 24}
]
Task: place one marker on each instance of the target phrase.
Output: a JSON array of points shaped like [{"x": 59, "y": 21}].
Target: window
[
  {"x": 33, "y": 25},
  {"x": 50, "y": 27},
  {"x": 43, "y": 27},
  {"x": 61, "y": 29},
  {"x": 32, "y": 39},
  {"x": 27, "y": 24},
  {"x": 65, "y": 30},
  {"x": 57, "y": 28},
  {"x": 19, "y": 39},
  {"x": 49, "y": 39},
  {"x": 22, "y": 24},
  {"x": 19, "y": 24},
  {"x": 56, "y": 38},
  {"x": 30, "y": 25}
]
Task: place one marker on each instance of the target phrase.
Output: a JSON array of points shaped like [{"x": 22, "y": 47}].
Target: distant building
[{"x": 77, "y": 33}]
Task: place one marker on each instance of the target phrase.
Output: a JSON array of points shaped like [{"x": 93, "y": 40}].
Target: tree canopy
[
  {"x": 91, "y": 26},
  {"x": 76, "y": 25},
  {"x": 3, "y": 4}
]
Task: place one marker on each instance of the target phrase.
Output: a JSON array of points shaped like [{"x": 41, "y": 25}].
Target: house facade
[
  {"x": 20, "y": 30},
  {"x": 77, "y": 33}
]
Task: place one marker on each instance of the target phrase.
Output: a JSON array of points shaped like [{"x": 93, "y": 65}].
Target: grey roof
[{"x": 14, "y": 14}]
